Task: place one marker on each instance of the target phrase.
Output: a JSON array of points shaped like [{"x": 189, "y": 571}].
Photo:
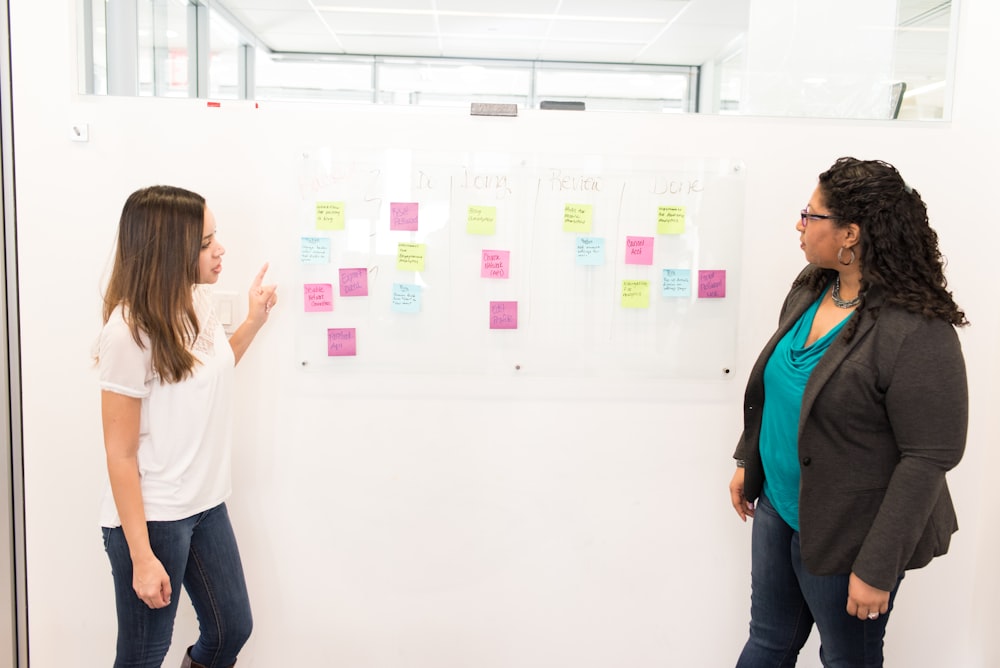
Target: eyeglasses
[{"x": 807, "y": 216}]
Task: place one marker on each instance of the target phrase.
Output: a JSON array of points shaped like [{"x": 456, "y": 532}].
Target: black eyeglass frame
[{"x": 805, "y": 216}]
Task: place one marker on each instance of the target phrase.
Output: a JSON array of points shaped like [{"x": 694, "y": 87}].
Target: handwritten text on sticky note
[
  {"x": 676, "y": 282},
  {"x": 712, "y": 284},
  {"x": 495, "y": 264},
  {"x": 578, "y": 218},
  {"x": 635, "y": 294},
  {"x": 410, "y": 257},
  {"x": 590, "y": 251},
  {"x": 670, "y": 220},
  {"x": 318, "y": 297},
  {"x": 354, "y": 282},
  {"x": 329, "y": 215},
  {"x": 638, "y": 250},
  {"x": 405, "y": 298},
  {"x": 503, "y": 315},
  {"x": 315, "y": 250},
  {"x": 481, "y": 220},
  {"x": 341, "y": 342},
  {"x": 403, "y": 216}
]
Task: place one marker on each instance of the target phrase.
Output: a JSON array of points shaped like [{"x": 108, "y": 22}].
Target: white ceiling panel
[
  {"x": 391, "y": 45},
  {"x": 364, "y": 23}
]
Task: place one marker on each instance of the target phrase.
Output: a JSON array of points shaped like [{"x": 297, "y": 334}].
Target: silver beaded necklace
[{"x": 842, "y": 303}]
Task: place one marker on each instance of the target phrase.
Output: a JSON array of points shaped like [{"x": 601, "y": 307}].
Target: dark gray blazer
[{"x": 883, "y": 417}]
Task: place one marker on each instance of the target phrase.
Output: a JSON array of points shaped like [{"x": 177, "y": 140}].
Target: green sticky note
[
  {"x": 578, "y": 218},
  {"x": 670, "y": 220},
  {"x": 329, "y": 215},
  {"x": 635, "y": 294},
  {"x": 481, "y": 220}
]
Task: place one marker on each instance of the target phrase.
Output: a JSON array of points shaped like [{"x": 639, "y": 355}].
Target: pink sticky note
[
  {"x": 354, "y": 282},
  {"x": 638, "y": 250},
  {"x": 403, "y": 216},
  {"x": 503, "y": 315},
  {"x": 712, "y": 284},
  {"x": 319, "y": 297},
  {"x": 496, "y": 264},
  {"x": 341, "y": 342}
]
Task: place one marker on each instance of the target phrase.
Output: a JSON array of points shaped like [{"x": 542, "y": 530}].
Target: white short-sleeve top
[{"x": 185, "y": 428}]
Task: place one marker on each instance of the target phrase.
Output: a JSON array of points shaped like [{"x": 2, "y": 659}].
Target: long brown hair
[{"x": 154, "y": 271}]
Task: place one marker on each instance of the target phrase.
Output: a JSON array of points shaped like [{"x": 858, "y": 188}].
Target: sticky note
[
  {"x": 405, "y": 298},
  {"x": 635, "y": 294},
  {"x": 403, "y": 216},
  {"x": 329, "y": 215},
  {"x": 314, "y": 250},
  {"x": 578, "y": 218},
  {"x": 670, "y": 220},
  {"x": 503, "y": 315},
  {"x": 495, "y": 264},
  {"x": 481, "y": 220},
  {"x": 712, "y": 284},
  {"x": 638, "y": 250},
  {"x": 354, "y": 282},
  {"x": 341, "y": 342},
  {"x": 590, "y": 251},
  {"x": 676, "y": 282},
  {"x": 318, "y": 297},
  {"x": 410, "y": 257}
]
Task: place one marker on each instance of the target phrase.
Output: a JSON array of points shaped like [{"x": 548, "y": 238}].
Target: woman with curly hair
[
  {"x": 853, "y": 413},
  {"x": 166, "y": 377}
]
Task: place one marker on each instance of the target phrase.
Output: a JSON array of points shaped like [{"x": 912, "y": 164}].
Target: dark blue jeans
[
  {"x": 786, "y": 600},
  {"x": 199, "y": 552}
]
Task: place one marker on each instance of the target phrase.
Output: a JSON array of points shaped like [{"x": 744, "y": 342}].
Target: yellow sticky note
[
  {"x": 410, "y": 257},
  {"x": 481, "y": 220},
  {"x": 329, "y": 215},
  {"x": 670, "y": 220},
  {"x": 635, "y": 294},
  {"x": 578, "y": 218}
]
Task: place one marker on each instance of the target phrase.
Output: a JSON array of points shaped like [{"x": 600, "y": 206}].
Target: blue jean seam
[{"x": 216, "y": 614}]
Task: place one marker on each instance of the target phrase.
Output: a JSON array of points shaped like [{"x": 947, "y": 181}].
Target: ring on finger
[{"x": 872, "y": 615}]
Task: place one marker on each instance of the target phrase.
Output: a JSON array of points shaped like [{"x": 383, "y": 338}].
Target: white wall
[{"x": 599, "y": 534}]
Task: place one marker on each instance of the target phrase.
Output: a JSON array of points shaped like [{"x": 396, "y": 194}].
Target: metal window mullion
[
  {"x": 123, "y": 47},
  {"x": 247, "y": 60},
  {"x": 199, "y": 50}
]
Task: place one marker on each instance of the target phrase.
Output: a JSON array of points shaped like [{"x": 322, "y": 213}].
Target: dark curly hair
[{"x": 898, "y": 249}]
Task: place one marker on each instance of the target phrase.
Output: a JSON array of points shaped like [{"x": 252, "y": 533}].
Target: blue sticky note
[
  {"x": 676, "y": 282},
  {"x": 405, "y": 298},
  {"x": 315, "y": 250},
  {"x": 590, "y": 251}
]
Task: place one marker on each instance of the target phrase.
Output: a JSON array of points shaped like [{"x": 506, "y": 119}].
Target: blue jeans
[
  {"x": 786, "y": 600},
  {"x": 199, "y": 552}
]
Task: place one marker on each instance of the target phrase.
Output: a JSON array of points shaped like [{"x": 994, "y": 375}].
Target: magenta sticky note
[
  {"x": 341, "y": 342},
  {"x": 495, "y": 264},
  {"x": 503, "y": 315},
  {"x": 318, "y": 296},
  {"x": 712, "y": 284},
  {"x": 354, "y": 282},
  {"x": 403, "y": 216},
  {"x": 638, "y": 250}
]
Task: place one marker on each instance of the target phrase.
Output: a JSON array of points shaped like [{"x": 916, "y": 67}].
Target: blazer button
[{"x": 806, "y": 461}]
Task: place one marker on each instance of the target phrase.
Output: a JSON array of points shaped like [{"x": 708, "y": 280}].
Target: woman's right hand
[
  {"x": 743, "y": 507},
  {"x": 151, "y": 582}
]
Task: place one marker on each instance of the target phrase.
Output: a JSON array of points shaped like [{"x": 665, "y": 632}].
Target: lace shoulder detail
[{"x": 208, "y": 322}]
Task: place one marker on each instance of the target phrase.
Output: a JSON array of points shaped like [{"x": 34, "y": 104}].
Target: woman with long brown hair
[{"x": 166, "y": 377}]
